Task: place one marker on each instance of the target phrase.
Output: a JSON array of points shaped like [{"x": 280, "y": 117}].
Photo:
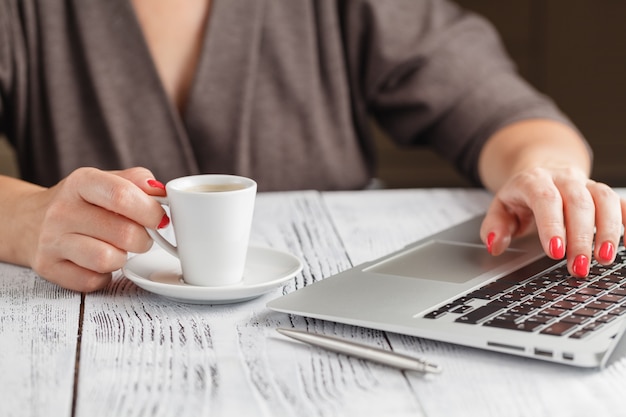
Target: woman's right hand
[{"x": 76, "y": 233}]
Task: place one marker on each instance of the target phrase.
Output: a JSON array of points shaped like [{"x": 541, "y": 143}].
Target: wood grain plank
[
  {"x": 145, "y": 355},
  {"x": 38, "y": 333}
]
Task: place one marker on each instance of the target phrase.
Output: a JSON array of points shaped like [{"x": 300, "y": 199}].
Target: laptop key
[
  {"x": 496, "y": 287},
  {"x": 524, "y": 326},
  {"x": 603, "y": 285},
  {"x": 523, "y": 309},
  {"x": 482, "y": 295},
  {"x": 607, "y": 318},
  {"x": 461, "y": 300},
  {"x": 579, "y": 334},
  {"x": 534, "y": 302},
  {"x": 501, "y": 302},
  {"x": 618, "y": 311},
  {"x": 578, "y": 298},
  {"x": 540, "y": 319},
  {"x": 611, "y": 298},
  {"x": 612, "y": 278},
  {"x": 558, "y": 329},
  {"x": 480, "y": 314},
  {"x": 576, "y": 319},
  {"x": 588, "y": 312},
  {"x": 553, "y": 311},
  {"x": 436, "y": 314},
  {"x": 566, "y": 305},
  {"x": 550, "y": 296},
  {"x": 593, "y": 326},
  {"x": 589, "y": 291},
  {"x": 600, "y": 305},
  {"x": 574, "y": 282},
  {"x": 561, "y": 289},
  {"x": 597, "y": 270},
  {"x": 461, "y": 309}
]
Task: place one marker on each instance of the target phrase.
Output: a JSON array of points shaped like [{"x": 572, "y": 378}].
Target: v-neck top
[{"x": 285, "y": 91}]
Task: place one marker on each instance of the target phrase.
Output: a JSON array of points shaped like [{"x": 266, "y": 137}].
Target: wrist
[
  {"x": 532, "y": 144},
  {"x": 22, "y": 207}
]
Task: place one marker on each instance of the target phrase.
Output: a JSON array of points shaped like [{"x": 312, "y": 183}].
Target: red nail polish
[
  {"x": 581, "y": 266},
  {"x": 607, "y": 251},
  {"x": 156, "y": 184},
  {"x": 490, "y": 237},
  {"x": 557, "y": 249},
  {"x": 164, "y": 222}
]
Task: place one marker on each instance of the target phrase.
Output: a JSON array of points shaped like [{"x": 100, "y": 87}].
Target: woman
[{"x": 105, "y": 101}]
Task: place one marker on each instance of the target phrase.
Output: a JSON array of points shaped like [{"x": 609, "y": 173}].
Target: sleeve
[
  {"x": 5, "y": 63},
  {"x": 13, "y": 68},
  {"x": 432, "y": 73}
]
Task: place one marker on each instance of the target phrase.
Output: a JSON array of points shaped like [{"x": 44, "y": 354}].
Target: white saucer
[{"x": 159, "y": 272}]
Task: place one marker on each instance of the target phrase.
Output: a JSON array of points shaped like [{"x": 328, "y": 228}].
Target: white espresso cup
[{"x": 211, "y": 216}]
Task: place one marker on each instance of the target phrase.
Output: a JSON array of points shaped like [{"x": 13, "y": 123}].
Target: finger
[
  {"x": 83, "y": 251},
  {"x": 92, "y": 254},
  {"x": 579, "y": 209},
  {"x": 144, "y": 179},
  {"x": 73, "y": 277},
  {"x": 546, "y": 204},
  {"x": 116, "y": 194},
  {"x": 52, "y": 265},
  {"x": 103, "y": 225},
  {"x": 608, "y": 221}
]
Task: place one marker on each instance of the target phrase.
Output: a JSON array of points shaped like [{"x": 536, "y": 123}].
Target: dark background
[{"x": 572, "y": 50}]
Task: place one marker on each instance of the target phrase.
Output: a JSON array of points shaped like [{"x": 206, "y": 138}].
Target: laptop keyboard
[{"x": 550, "y": 302}]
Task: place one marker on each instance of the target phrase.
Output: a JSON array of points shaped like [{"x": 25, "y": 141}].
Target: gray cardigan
[{"x": 285, "y": 90}]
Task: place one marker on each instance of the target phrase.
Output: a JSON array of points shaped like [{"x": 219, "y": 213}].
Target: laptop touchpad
[{"x": 444, "y": 261}]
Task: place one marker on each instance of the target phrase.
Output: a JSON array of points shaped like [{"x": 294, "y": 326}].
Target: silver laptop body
[{"x": 446, "y": 287}]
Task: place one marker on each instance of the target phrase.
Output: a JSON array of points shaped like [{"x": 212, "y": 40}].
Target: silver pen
[{"x": 385, "y": 357}]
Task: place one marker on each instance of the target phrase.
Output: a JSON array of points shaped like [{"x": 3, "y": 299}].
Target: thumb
[{"x": 498, "y": 227}]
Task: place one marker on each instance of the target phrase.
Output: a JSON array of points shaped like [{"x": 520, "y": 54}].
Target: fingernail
[
  {"x": 581, "y": 265},
  {"x": 557, "y": 249},
  {"x": 490, "y": 237},
  {"x": 164, "y": 222},
  {"x": 156, "y": 184},
  {"x": 607, "y": 251}
]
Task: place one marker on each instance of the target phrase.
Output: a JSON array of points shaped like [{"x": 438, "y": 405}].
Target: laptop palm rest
[{"x": 443, "y": 261}]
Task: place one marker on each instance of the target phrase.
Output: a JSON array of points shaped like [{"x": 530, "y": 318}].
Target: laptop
[{"x": 446, "y": 287}]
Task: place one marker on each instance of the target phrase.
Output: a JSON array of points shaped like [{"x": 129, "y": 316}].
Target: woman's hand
[
  {"x": 539, "y": 172},
  {"x": 82, "y": 229},
  {"x": 574, "y": 216}
]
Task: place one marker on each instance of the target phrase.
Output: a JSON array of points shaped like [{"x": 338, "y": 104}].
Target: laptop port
[
  {"x": 543, "y": 352},
  {"x": 503, "y": 346},
  {"x": 568, "y": 356}
]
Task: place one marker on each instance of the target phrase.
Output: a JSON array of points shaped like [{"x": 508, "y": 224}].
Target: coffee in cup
[{"x": 214, "y": 188}]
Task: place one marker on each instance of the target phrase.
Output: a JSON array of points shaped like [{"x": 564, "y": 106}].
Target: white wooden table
[{"x": 126, "y": 352}]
